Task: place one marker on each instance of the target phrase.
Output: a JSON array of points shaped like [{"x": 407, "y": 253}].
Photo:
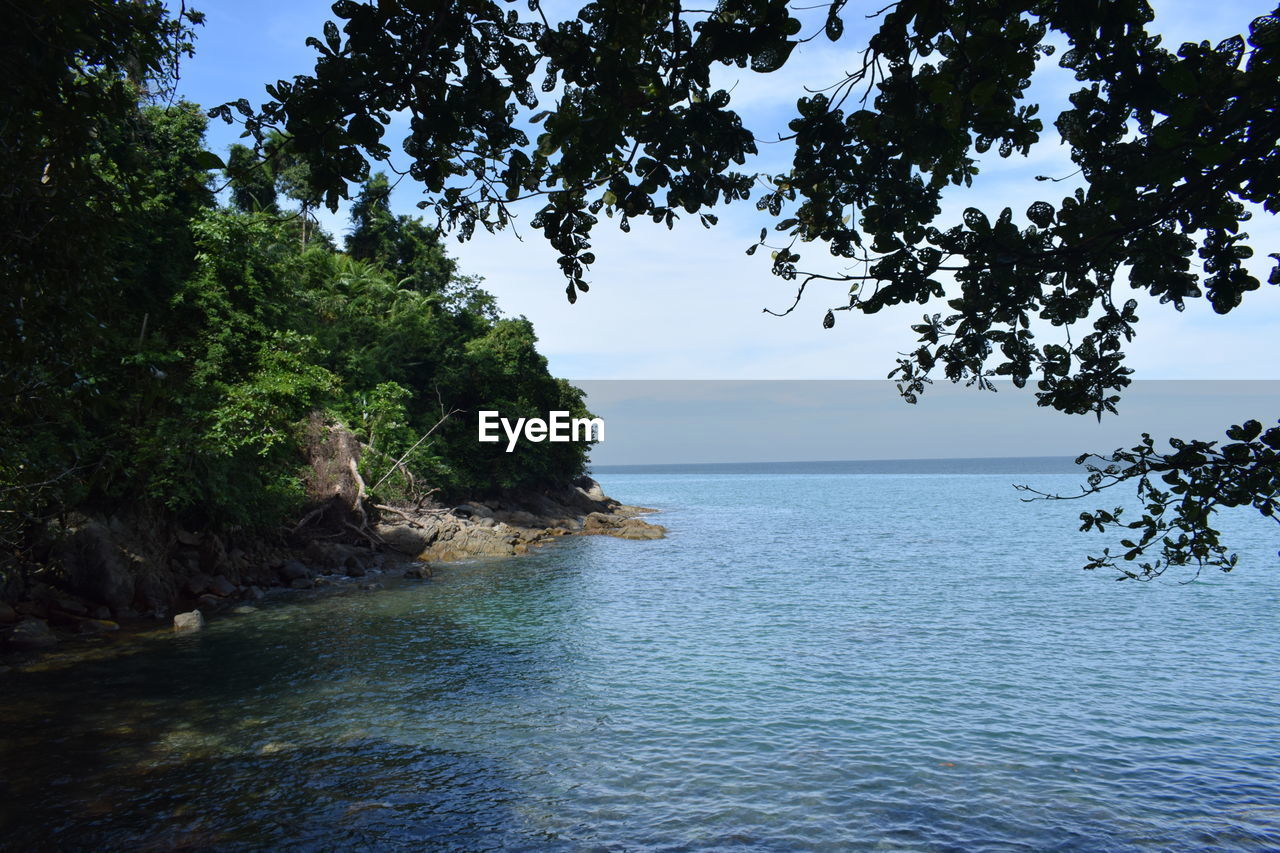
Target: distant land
[{"x": 974, "y": 465}]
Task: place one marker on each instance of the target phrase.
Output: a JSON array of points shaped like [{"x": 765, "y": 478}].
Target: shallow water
[{"x": 808, "y": 661}]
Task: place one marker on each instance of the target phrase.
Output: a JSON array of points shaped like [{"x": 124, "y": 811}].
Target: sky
[{"x": 687, "y": 303}]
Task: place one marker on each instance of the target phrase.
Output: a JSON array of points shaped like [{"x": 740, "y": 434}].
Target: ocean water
[{"x": 896, "y": 660}]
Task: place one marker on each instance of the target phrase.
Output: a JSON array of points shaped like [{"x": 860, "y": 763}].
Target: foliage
[
  {"x": 159, "y": 349},
  {"x": 1170, "y": 147},
  {"x": 1198, "y": 478}
]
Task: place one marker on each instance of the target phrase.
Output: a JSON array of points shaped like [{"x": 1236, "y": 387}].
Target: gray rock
[
  {"x": 32, "y": 634},
  {"x": 70, "y": 605},
  {"x": 7, "y": 614},
  {"x": 104, "y": 612},
  {"x": 293, "y": 570},
  {"x": 421, "y": 573},
  {"x": 211, "y": 602},
  {"x": 221, "y": 586},
  {"x": 486, "y": 522},
  {"x": 355, "y": 570},
  {"x": 371, "y": 586},
  {"x": 406, "y": 538},
  {"x": 98, "y": 626},
  {"x": 198, "y": 583},
  {"x": 97, "y": 568},
  {"x": 188, "y": 623},
  {"x": 251, "y": 593}
]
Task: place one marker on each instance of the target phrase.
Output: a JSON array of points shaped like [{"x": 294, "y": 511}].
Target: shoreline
[{"x": 109, "y": 590}]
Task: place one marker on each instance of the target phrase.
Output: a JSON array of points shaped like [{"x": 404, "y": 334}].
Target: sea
[{"x": 818, "y": 656}]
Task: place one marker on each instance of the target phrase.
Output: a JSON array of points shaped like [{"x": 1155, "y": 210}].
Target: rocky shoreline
[{"x": 130, "y": 573}]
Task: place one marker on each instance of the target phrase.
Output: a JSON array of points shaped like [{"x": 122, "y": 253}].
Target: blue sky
[{"x": 687, "y": 303}]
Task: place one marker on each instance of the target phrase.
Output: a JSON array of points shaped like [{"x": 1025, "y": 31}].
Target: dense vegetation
[
  {"x": 161, "y": 348},
  {"x": 1171, "y": 148}
]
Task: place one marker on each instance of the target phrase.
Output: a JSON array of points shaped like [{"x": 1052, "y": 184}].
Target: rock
[
  {"x": 213, "y": 557},
  {"x": 97, "y": 567},
  {"x": 157, "y": 592},
  {"x": 634, "y": 528},
  {"x": 70, "y": 605},
  {"x": 188, "y": 623},
  {"x": 590, "y": 488},
  {"x": 198, "y": 584},
  {"x": 470, "y": 510},
  {"x": 186, "y": 538},
  {"x": 223, "y": 587},
  {"x": 251, "y": 593},
  {"x": 32, "y": 633},
  {"x": 98, "y": 626},
  {"x": 520, "y": 518},
  {"x": 105, "y": 612},
  {"x": 37, "y": 609},
  {"x": 293, "y": 570},
  {"x": 596, "y": 522},
  {"x": 211, "y": 602},
  {"x": 320, "y": 555},
  {"x": 406, "y": 538},
  {"x": 7, "y": 614},
  {"x": 302, "y": 583},
  {"x": 245, "y": 608},
  {"x": 486, "y": 522},
  {"x": 355, "y": 570},
  {"x": 421, "y": 572},
  {"x": 371, "y": 586},
  {"x": 186, "y": 562}
]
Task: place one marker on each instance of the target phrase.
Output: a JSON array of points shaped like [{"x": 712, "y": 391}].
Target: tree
[{"x": 1169, "y": 146}]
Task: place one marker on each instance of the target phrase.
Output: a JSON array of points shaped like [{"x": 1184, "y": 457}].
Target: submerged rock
[
  {"x": 187, "y": 623},
  {"x": 421, "y": 573}
]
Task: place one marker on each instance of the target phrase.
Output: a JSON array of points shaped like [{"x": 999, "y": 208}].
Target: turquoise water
[{"x": 807, "y": 662}]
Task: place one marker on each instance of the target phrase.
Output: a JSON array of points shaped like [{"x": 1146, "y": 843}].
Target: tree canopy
[
  {"x": 615, "y": 111},
  {"x": 164, "y": 351}
]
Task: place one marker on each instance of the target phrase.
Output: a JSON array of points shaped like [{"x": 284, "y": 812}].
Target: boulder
[
  {"x": 188, "y": 623},
  {"x": 355, "y": 570},
  {"x": 634, "y": 528},
  {"x": 7, "y": 614},
  {"x": 32, "y": 634},
  {"x": 37, "y": 609},
  {"x": 97, "y": 567},
  {"x": 186, "y": 538},
  {"x": 408, "y": 539},
  {"x": 421, "y": 572},
  {"x": 251, "y": 593},
  {"x": 221, "y": 586},
  {"x": 70, "y": 605},
  {"x": 211, "y": 602},
  {"x": 293, "y": 570},
  {"x": 198, "y": 584}
]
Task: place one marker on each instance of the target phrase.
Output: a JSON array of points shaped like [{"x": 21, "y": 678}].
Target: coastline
[{"x": 120, "y": 578}]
